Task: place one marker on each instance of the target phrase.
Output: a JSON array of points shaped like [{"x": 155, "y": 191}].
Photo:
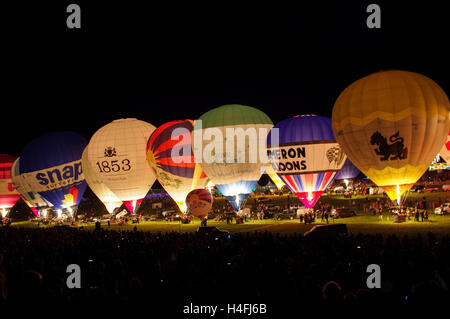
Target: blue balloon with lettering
[{"x": 51, "y": 165}]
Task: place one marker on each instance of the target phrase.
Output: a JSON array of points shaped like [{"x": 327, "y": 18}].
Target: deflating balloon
[
  {"x": 32, "y": 199},
  {"x": 169, "y": 153},
  {"x": 348, "y": 171},
  {"x": 445, "y": 150},
  {"x": 199, "y": 202},
  {"x": 8, "y": 194},
  {"x": 307, "y": 157},
  {"x": 51, "y": 165},
  {"x": 104, "y": 194},
  {"x": 391, "y": 124},
  {"x": 117, "y": 154},
  {"x": 228, "y": 143}
]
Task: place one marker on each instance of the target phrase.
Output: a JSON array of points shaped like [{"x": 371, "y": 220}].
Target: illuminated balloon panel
[
  {"x": 348, "y": 171},
  {"x": 117, "y": 153},
  {"x": 169, "y": 153},
  {"x": 445, "y": 150},
  {"x": 132, "y": 205},
  {"x": 104, "y": 194},
  {"x": 307, "y": 157},
  {"x": 225, "y": 125},
  {"x": 8, "y": 194},
  {"x": 32, "y": 199},
  {"x": 391, "y": 124},
  {"x": 199, "y": 202},
  {"x": 51, "y": 165},
  {"x": 274, "y": 177}
]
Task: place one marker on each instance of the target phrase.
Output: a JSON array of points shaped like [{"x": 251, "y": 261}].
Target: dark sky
[{"x": 167, "y": 60}]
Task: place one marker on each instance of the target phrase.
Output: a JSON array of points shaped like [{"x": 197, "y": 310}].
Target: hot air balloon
[
  {"x": 228, "y": 143},
  {"x": 348, "y": 171},
  {"x": 51, "y": 165},
  {"x": 169, "y": 153},
  {"x": 117, "y": 154},
  {"x": 199, "y": 202},
  {"x": 445, "y": 150},
  {"x": 307, "y": 157},
  {"x": 274, "y": 177},
  {"x": 104, "y": 194},
  {"x": 391, "y": 124},
  {"x": 32, "y": 199},
  {"x": 8, "y": 194}
]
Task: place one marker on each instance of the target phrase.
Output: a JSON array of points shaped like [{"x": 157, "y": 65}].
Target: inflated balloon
[
  {"x": 274, "y": 177},
  {"x": 51, "y": 165},
  {"x": 445, "y": 150},
  {"x": 348, "y": 171},
  {"x": 199, "y": 202},
  {"x": 8, "y": 194},
  {"x": 32, "y": 199},
  {"x": 117, "y": 155},
  {"x": 229, "y": 158},
  {"x": 169, "y": 153},
  {"x": 104, "y": 194},
  {"x": 391, "y": 125},
  {"x": 307, "y": 157}
]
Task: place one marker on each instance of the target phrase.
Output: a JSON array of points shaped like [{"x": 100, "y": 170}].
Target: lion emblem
[
  {"x": 393, "y": 151},
  {"x": 110, "y": 152}
]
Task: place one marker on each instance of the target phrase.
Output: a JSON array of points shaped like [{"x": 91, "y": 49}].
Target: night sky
[{"x": 166, "y": 60}]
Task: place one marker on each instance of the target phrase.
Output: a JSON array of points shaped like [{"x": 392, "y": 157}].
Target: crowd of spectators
[{"x": 183, "y": 267}]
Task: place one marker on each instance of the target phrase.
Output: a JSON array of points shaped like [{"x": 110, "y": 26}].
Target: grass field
[
  {"x": 363, "y": 223},
  {"x": 368, "y": 224}
]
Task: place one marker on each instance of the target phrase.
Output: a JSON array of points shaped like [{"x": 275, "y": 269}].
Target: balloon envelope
[
  {"x": 445, "y": 150},
  {"x": 32, "y": 199},
  {"x": 51, "y": 165},
  {"x": 199, "y": 202},
  {"x": 117, "y": 154},
  {"x": 391, "y": 125},
  {"x": 234, "y": 169},
  {"x": 169, "y": 153},
  {"x": 8, "y": 194},
  {"x": 274, "y": 177},
  {"x": 307, "y": 157},
  {"x": 348, "y": 171},
  {"x": 104, "y": 194}
]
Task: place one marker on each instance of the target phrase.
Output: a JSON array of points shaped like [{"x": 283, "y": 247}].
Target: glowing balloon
[
  {"x": 274, "y": 177},
  {"x": 117, "y": 155},
  {"x": 445, "y": 150},
  {"x": 391, "y": 125},
  {"x": 307, "y": 157},
  {"x": 199, "y": 202},
  {"x": 169, "y": 153},
  {"x": 104, "y": 194},
  {"x": 51, "y": 165},
  {"x": 8, "y": 194},
  {"x": 228, "y": 143},
  {"x": 32, "y": 199},
  {"x": 348, "y": 171}
]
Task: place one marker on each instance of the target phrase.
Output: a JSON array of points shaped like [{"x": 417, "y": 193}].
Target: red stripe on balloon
[
  {"x": 186, "y": 138},
  {"x": 159, "y": 130},
  {"x": 184, "y": 161}
]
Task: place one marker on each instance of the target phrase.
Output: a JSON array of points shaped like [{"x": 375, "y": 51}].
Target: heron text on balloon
[{"x": 306, "y": 158}]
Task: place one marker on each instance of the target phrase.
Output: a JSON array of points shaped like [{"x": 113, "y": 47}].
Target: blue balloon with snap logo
[{"x": 51, "y": 166}]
